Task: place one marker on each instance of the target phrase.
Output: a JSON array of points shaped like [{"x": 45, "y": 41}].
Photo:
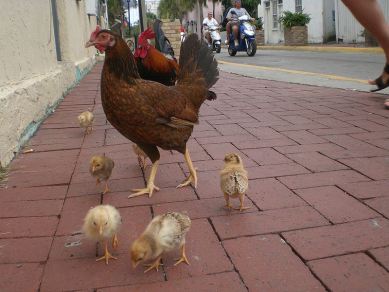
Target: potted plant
[
  {"x": 259, "y": 33},
  {"x": 295, "y": 29}
]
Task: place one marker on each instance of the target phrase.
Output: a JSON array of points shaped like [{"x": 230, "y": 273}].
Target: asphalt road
[{"x": 346, "y": 70}]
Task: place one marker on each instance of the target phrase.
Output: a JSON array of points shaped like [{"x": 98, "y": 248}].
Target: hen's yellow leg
[
  {"x": 192, "y": 178},
  {"x": 106, "y": 256},
  {"x": 150, "y": 184},
  {"x": 183, "y": 258},
  {"x": 142, "y": 162},
  {"x": 154, "y": 265},
  {"x": 115, "y": 241},
  {"x": 241, "y": 208}
]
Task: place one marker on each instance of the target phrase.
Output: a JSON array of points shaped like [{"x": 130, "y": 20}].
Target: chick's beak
[
  {"x": 89, "y": 44},
  {"x": 101, "y": 230}
]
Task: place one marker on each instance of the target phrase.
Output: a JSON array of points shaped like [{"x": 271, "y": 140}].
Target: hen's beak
[{"x": 89, "y": 44}]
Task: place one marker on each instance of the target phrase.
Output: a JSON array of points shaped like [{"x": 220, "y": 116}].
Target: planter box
[
  {"x": 260, "y": 37},
  {"x": 296, "y": 36}
]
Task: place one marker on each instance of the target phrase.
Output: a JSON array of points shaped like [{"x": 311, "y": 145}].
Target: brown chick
[
  {"x": 233, "y": 180},
  {"x": 164, "y": 233},
  {"x": 102, "y": 223},
  {"x": 86, "y": 120},
  {"x": 101, "y": 168},
  {"x": 142, "y": 157}
]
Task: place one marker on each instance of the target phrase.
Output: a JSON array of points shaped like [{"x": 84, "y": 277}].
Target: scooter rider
[
  {"x": 233, "y": 22},
  {"x": 209, "y": 23}
]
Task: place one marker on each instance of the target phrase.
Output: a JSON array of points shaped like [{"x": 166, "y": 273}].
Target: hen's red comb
[
  {"x": 93, "y": 35},
  {"x": 146, "y": 35}
]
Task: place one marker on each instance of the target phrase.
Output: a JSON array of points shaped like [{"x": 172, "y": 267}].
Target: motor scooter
[{"x": 246, "y": 40}]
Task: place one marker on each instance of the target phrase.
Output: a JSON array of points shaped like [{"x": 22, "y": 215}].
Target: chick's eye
[
  {"x": 94, "y": 223},
  {"x": 106, "y": 223}
]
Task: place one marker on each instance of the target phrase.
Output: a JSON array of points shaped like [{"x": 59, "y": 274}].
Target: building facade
[
  {"x": 321, "y": 28},
  {"x": 348, "y": 29},
  {"x": 42, "y": 58}
]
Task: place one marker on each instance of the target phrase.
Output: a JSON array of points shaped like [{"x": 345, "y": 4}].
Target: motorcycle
[
  {"x": 247, "y": 41},
  {"x": 216, "y": 39}
]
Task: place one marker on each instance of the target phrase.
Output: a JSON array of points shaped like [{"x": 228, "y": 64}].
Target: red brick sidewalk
[{"x": 318, "y": 160}]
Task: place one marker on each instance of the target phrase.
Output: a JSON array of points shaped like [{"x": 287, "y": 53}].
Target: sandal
[{"x": 379, "y": 82}]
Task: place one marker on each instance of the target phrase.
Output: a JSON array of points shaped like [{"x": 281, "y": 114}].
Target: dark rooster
[
  {"x": 151, "y": 114},
  {"x": 156, "y": 63}
]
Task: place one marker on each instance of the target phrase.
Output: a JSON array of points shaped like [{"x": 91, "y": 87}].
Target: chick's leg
[
  {"x": 150, "y": 184},
  {"x": 154, "y": 265},
  {"x": 241, "y": 208},
  {"x": 183, "y": 258},
  {"x": 115, "y": 241},
  {"x": 227, "y": 198},
  {"x": 192, "y": 178},
  {"x": 106, "y": 190},
  {"x": 106, "y": 256}
]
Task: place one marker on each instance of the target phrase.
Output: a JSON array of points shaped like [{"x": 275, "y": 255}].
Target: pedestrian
[{"x": 369, "y": 14}]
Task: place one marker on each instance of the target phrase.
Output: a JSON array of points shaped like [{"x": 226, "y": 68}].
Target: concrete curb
[{"x": 375, "y": 50}]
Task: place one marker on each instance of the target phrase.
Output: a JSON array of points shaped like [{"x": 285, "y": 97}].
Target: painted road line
[{"x": 291, "y": 71}]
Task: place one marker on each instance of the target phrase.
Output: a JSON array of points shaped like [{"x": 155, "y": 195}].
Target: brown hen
[{"x": 151, "y": 114}]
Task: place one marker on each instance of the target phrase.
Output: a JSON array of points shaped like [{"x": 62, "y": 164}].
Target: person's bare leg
[
  {"x": 228, "y": 29},
  {"x": 369, "y": 14}
]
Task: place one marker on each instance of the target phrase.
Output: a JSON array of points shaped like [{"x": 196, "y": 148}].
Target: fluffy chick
[
  {"x": 101, "y": 167},
  {"x": 100, "y": 224},
  {"x": 142, "y": 157},
  {"x": 164, "y": 233},
  {"x": 86, "y": 120},
  {"x": 233, "y": 180}
]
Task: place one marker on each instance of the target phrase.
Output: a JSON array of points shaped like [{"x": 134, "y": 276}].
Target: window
[
  {"x": 275, "y": 14},
  {"x": 267, "y": 4},
  {"x": 299, "y": 5}
]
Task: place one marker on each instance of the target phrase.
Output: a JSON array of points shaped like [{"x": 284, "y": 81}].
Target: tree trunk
[{"x": 200, "y": 7}]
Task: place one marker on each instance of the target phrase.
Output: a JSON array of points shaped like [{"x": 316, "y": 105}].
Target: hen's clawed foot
[
  {"x": 148, "y": 190},
  {"x": 154, "y": 265},
  {"x": 191, "y": 179}
]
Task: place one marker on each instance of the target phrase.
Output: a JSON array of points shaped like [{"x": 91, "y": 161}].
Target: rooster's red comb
[
  {"x": 146, "y": 35},
  {"x": 94, "y": 33}
]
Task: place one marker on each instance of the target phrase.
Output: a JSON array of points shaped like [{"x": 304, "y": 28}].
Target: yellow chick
[
  {"x": 233, "y": 180},
  {"x": 142, "y": 157},
  {"x": 101, "y": 167},
  {"x": 100, "y": 224},
  {"x": 164, "y": 233},
  {"x": 86, "y": 120}
]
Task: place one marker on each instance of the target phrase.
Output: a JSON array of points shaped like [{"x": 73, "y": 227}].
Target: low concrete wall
[{"x": 32, "y": 81}]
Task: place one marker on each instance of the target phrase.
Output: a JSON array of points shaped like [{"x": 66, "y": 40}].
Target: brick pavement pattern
[{"x": 318, "y": 163}]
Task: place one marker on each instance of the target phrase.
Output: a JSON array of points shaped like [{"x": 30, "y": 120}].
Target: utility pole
[
  {"x": 129, "y": 22},
  {"x": 142, "y": 15}
]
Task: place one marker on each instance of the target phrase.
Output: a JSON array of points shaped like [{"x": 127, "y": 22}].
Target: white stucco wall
[
  {"x": 32, "y": 81},
  {"x": 316, "y": 26}
]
